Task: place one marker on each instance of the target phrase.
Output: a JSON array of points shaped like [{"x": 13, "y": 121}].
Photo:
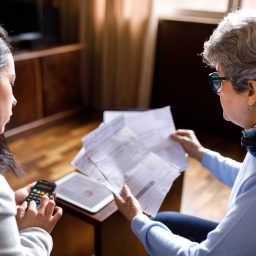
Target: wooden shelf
[
  {"x": 39, "y": 53},
  {"x": 48, "y": 86}
]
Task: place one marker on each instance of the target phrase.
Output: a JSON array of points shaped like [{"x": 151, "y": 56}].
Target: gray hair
[
  {"x": 5, "y": 47},
  {"x": 233, "y": 46}
]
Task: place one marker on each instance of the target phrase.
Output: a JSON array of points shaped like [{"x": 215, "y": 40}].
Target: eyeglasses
[{"x": 216, "y": 81}]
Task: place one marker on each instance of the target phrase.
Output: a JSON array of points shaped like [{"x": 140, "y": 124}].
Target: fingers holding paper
[
  {"x": 189, "y": 142},
  {"x": 127, "y": 204}
]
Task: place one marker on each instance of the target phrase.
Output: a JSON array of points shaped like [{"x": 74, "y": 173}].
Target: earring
[{"x": 250, "y": 108}]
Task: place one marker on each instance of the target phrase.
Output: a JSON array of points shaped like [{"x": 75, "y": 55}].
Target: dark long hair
[{"x": 7, "y": 161}]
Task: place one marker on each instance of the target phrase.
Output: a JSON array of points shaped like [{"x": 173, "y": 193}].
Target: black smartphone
[{"x": 42, "y": 187}]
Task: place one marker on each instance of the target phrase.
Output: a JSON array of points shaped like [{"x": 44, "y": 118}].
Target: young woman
[
  {"x": 24, "y": 229},
  {"x": 231, "y": 50}
]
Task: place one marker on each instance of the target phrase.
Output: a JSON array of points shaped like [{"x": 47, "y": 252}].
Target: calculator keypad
[{"x": 35, "y": 195}]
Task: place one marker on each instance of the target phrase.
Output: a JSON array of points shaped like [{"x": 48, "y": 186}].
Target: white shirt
[{"x": 30, "y": 241}]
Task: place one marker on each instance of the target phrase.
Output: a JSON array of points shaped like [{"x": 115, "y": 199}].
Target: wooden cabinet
[
  {"x": 62, "y": 82},
  {"x": 27, "y": 91},
  {"x": 181, "y": 78},
  {"x": 48, "y": 83}
]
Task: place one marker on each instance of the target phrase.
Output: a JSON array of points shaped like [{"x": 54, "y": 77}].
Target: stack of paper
[{"x": 134, "y": 148}]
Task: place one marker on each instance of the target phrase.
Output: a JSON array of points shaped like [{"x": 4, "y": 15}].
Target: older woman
[
  {"x": 24, "y": 229},
  {"x": 232, "y": 51}
]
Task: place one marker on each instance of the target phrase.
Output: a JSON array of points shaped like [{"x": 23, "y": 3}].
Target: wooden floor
[{"x": 48, "y": 154}]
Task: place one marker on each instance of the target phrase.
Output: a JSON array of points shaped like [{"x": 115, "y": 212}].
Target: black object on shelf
[{"x": 30, "y": 23}]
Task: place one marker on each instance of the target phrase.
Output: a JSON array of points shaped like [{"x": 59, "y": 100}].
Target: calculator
[{"x": 41, "y": 188}]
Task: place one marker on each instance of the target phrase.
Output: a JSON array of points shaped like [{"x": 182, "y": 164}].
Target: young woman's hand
[
  {"x": 127, "y": 204},
  {"x": 189, "y": 142},
  {"x": 22, "y": 193},
  {"x": 45, "y": 217}
]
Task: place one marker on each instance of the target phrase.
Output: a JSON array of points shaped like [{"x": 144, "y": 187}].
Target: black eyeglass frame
[{"x": 216, "y": 81}]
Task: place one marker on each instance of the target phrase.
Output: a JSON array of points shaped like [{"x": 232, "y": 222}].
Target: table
[{"x": 110, "y": 233}]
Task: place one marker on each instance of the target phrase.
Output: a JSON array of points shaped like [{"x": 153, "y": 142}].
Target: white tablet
[{"x": 78, "y": 189}]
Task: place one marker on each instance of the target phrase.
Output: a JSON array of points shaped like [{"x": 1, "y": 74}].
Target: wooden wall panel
[
  {"x": 61, "y": 82},
  {"x": 27, "y": 91}
]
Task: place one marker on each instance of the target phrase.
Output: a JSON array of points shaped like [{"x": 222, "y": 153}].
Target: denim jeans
[{"x": 192, "y": 228}]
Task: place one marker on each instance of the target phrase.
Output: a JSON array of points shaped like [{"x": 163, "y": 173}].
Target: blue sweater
[{"x": 235, "y": 234}]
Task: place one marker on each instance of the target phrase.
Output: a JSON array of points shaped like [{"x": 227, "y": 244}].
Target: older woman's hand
[
  {"x": 127, "y": 204},
  {"x": 189, "y": 142}
]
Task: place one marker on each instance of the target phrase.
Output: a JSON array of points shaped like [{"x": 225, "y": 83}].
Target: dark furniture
[
  {"x": 48, "y": 86},
  {"x": 111, "y": 233},
  {"x": 181, "y": 78}
]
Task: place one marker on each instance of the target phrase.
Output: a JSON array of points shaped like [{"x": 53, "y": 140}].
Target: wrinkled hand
[
  {"x": 189, "y": 142},
  {"x": 127, "y": 204},
  {"x": 21, "y": 194},
  {"x": 45, "y": 217}
]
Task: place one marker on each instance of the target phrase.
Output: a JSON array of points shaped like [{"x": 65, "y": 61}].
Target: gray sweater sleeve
[{"x": 31, "y": 241}]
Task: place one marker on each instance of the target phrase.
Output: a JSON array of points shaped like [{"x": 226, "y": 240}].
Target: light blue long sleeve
[
  {"x": 235, "y": 235},
  {"x": 223, "y": 168}
]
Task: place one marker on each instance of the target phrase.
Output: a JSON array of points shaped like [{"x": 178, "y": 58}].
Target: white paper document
[
  {"x": 153, "y": 127},
  {"x": 134, "y": 150}
]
